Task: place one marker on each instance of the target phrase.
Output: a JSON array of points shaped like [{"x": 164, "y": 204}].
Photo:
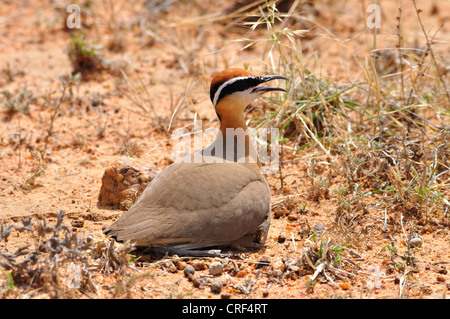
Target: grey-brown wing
[{"x": 197, "y": 205}]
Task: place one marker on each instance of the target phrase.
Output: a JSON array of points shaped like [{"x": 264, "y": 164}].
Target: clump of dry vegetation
[
  {"x": 55, "y": 260},
  {"x": 367, "y": 133},
  {"x": 378, "y": 146}
]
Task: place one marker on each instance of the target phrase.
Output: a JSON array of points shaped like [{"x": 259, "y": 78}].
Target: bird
[{"x": 218, "y": 200}]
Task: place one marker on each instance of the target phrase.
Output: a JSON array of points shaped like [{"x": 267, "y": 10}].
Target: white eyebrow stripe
[{"x": 219, "y": 90}]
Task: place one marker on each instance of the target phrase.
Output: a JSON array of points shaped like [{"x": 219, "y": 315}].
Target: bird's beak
[{"x": 267, "y": 78}]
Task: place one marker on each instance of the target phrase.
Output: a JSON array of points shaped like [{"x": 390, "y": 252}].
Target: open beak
[{"x": 267, "y": 78}]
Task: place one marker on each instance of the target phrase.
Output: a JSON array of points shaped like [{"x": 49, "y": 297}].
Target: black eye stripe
[
  {"x": 236, "y": 86},
  {"x": 213, "y": 90}
]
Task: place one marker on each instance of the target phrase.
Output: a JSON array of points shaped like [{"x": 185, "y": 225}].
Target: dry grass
[
  {"x": 373, "y": 151},
  {"x": 57, "y": 261},
  {"x": 386, "y": 139}
]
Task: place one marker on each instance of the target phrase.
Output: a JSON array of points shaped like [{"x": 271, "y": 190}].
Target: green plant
[
  {"x": 324, "y": 255},
  {"x": 85, "y": 58},
  {"x": 9, "y": 286},
  {"x": 370, "y": 131}
]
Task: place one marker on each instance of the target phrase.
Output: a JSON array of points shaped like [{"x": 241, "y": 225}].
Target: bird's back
[{"x": 199, "y": 205}]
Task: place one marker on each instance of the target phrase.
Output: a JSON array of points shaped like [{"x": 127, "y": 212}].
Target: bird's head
[{"x": 232, "y": 90}]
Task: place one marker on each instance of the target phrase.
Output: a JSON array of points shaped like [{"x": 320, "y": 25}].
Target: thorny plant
[{"x": 59, "y": 259}]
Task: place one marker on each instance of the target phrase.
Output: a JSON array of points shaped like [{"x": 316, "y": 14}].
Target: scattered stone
[
  {"x": 281, "y": 239},
  {"x": 188, "y": 270},
  {"x": 242, "y": 273},
  {"x": 198, "y": 264},
  {"x": 216, "y": 286},
  {"x": 414, "y": 240},
  {"x": 181, "y": 265},
  {"x": 345, "y": 286},
  {"x": 319, "y": 227},
  {"x": 198, "y": 282},
  {"x": 123, "y": 182},
  {"x": 215, "y": 268},
  {"x": 172, "y": 269},
  {"x": 441, "y": 270},
  {"x": 225, "y": 296},
  {"x": 78, "y": 223},
  {"x": 278, "y": 265}
]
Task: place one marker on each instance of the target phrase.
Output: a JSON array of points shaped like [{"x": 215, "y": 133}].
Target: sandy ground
[{"x": 96, "y": 124}]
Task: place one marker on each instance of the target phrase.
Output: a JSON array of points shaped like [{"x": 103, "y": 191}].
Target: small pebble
[
  {"x": 345, "y": 286},
  {"x": 216, "y": 286},
  {"x": 188, "y": 270},
  {"x": 319, "y": 227},
  {"x": 168, "y": 264},
  {"x": 198, "y": 264},
  {"x": 281, "y": 239},
  {"x": 198, "y": 282},
  {"x": 242, "y": 273},
  {"x": 414, "y": 240},
  {"x": 215, "y": 268},
  {"x": 442, "y": 270},
  {"x": 172, "y": 269},
  {"x": 78, "y": 223},
  {"x": 180, "y": 265},
  {"x": 279, "y": 265}
]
